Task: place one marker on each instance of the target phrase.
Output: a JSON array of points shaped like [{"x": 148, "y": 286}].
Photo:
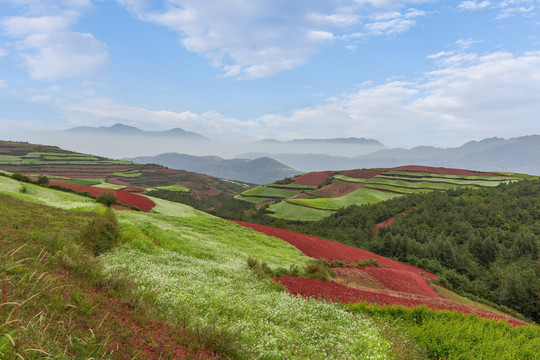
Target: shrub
[
  {"x": 21, "y": 177},
  {"x": 108, "y": 199},
  {"x": 318, "y": 270},
  {"x": 23, "y": 189},
  {"x": 101, "y": 233},
  {"x": 42, "y": 180},
  {"x": 369, "y": 262}
]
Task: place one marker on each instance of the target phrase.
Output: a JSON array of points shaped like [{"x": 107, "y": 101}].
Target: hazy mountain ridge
[
  {"x": 261, "y": 170},
  {"x": 518, "y": 154}
]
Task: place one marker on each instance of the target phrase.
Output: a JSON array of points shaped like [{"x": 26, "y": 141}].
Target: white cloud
[
  {"x": 3, "y": 52},
  {"x": 46, "y": 43},
  {"x": 3, "y": 84},
  {"x": 473, "y": 5},
  {"x": 504, "y": 8},
  {"x": 476, "y": 97},
  {"x": 106, "y": 111},
  {"x": 253, "y": 39}
]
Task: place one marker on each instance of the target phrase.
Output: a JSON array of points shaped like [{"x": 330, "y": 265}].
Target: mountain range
[
  {"x": 262, "y": 170},
  {"x": 520, "y": 154}
]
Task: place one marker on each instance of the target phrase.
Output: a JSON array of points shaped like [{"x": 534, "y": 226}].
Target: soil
[
  {"x": 313, "y": 179},
  {"x": 123, "y": 197},
  {"x": 331, "y": 250},
  {"x": 441, "y": 170},
  {"x": 387, "y": 222},
  {"x": 337, "y": 188}
]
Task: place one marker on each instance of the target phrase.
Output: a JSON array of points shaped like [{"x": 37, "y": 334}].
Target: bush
[
  {"x": 108, "y": 199},
  {"x": 101, "y": 233},
  {"x": 42, "y": 180},
  {"x": 369, "y": 262},
  {"x": 21, "y": 177}
]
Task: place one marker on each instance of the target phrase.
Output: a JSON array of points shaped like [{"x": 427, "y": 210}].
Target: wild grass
[
  {"x": 198, "y": 264},
  {"x": 451, "y": 335},
  {"x": 252, "y": 200}
]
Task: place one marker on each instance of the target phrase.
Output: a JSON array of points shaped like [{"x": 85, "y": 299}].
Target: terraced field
[
  {"x": 365, "y": 187},
  {"x": 88, "y": 170}
]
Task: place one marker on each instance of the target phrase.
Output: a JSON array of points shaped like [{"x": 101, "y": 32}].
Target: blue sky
[{"x": 418, "y": 72}]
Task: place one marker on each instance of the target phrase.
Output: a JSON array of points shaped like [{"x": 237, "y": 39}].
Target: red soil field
[
  {"x": 74, "y": 175},
  {"x": 313, "y": 179},
  {"x": 337, "y": 188},
  {"x": 134, "y": 190},
  {"x": 361, "y": 174},
  {"x": 441, "y": 170},
  {"x": 344, "y": 294},
  {"x": 402, "y": 281},
  {"x": 212, "y": 191},
  {"x": 387, "y": 222},
  {"x": 331, "y": 250},
  {"x": 123, "y": 197},
  {"x": 117, "y": 181}
]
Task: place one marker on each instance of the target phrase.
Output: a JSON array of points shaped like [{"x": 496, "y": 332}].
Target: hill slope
[
  {"x": 313, "y": 196},
  {"x": 204, "y": 191},
  {"x": 257, "y": 171}
]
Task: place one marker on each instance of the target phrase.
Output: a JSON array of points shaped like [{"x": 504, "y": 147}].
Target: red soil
[
  {"x": 117, "y": 181},
  {"x": 387, "y": 222},
  {"x": 73, "y": 175},
  {"x": 313, "y": 179},
  {"x": 331, "y": 250},
  {"x": 361, "y": 174},
  {"x": 123, "y": 197},
  {"x": 441, "y": 170},
  {"x": 402, "y": 281},
  {"x": 212, "y": 191},
  {"x": 337, "y": 188},
  {"x": 344, "y": 294}
]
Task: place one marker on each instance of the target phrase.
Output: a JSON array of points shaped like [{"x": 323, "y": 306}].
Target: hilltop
[{"x": 69, "y": 167}]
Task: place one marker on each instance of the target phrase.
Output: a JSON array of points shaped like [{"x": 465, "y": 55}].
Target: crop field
[
  {"x": 252, "y": 199},
  {"x": 270, "y": 192},
  {"x": 395, "y": 189},
  {"x": 360, "y": 196},
  {"x": 293, "y": 186},
  {"x": 174, "y": 188},
  {"x": 288, "y": 211}
]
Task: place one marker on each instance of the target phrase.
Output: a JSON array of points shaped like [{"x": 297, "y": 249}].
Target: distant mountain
[
  {"x": 521, "y": 154},
  {"x": 334, "y": 147},
  {"x": 125, "y": 130},
  {"x": 261, "y": 170}
]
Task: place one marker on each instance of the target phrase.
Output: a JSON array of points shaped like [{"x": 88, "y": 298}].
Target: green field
[
  {"x": 270, "y": 192},
  {"x": 128, "y": 174},
  {"x": 287, "y": 211},
  {"x": 253, "y": 200},
  {"x": 106, "y": 185},
  {"x": 395, "y": 189},
  {"x": 293, "y": 186},
  {"x": 358, "y": 197},
  {"x": 174, "y": 188}
]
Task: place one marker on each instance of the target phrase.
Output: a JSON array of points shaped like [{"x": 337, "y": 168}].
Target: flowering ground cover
[{"x": 198, "y": 265}]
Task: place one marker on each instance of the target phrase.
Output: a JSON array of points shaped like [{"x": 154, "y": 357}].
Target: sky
[{"x": 407, "y": 73}]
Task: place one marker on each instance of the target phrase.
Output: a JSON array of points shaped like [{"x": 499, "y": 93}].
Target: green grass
[
  {"x": 293, "y": 186},
  {"x": 270, "y": 192},
  {"x": 40, "y": 195},
  {"x": 171, "y": 208},
  {"x": 174, "y": 188},
  {"x": 285, "y": 210},
  {"x": 357, "y": 197},
  {"x": 128, "y": 174},
  {"x": 86, "y": 182},
  {"x": 9, "y": 159},
  {"x": 460, "y": 182},
  {"x": 199, "y": 265},
  {"x": 253, "y": 200},
  {"x": 106, "y": 185},
  {"x": 450, "y": 335},
  {"x": 350, "y": 179},
  {"x": 395, "y": 189}
]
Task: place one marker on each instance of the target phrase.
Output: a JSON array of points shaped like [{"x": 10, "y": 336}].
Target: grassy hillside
[
  {"x": 313, "y": 196},
  {"x": 206, "y": 192},
  {"x": 194, "y": 265}
]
